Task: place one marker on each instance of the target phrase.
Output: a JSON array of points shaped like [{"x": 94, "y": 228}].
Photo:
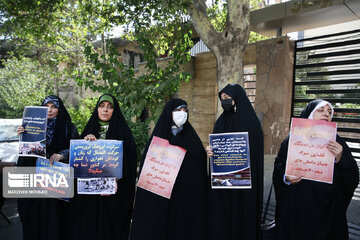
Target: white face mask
[{"x": 179, "y": 118}]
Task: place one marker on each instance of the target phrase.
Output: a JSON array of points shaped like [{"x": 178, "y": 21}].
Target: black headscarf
[
  {"x": 309, "y": 209},
  {"x": 183, "y": 216},
  {"x": 108, "y": 217},
  {"x": 165, "y": 122},
  {"x": 240, "y": 210},
  {"x": 57, "y": 137},
  {"x": 243, "y": 119},
  {"x": 47, "y": 217},
  {"x": 118, "y": 128}
]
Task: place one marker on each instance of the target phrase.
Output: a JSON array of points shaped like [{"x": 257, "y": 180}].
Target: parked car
[{"x": 9, "y": 141}]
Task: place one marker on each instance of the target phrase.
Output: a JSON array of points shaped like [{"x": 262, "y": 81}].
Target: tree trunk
[
  {"x": 228, "y": 46},
  {"x": 229, "y": 70}
]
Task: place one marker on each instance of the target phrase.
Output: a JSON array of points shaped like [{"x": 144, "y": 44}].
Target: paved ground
[
  {"x": 13, "y": 231},
  {"x": 10, "y": 231}
]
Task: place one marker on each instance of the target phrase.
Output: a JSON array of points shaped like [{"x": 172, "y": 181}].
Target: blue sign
[
  {"x": 101, "y": 158},
  {"x": 57, "y": 168},
  {"x": 33, "y": 140},
  {"x": 34, "y": 123},
  {"x": 230, "y": 164}
]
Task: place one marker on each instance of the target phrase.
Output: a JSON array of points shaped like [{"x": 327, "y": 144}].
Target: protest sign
[
  {"x": 96, "y": 186},
  {"x": 161, "y": 167},
  {"x": 61, "y": 174},
  {"x": 33, "y": 140},
  {"x": 230, "y": 165},
  {"x": 308, "y": 156},
  {"x": 101, "y": 158}
]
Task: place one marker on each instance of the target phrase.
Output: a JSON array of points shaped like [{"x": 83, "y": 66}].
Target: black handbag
[{"x": 268, "y": 229}]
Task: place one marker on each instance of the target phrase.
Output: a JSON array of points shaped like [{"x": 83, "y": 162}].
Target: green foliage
[
  {"x": 217, "y": 14},
  {"x": 256, "y": 4},
  {"x": 302, "y": 75},
  {"x": 51, "y": 32},
  {"x": 81, "y": 113},
  {"x": 62, "y": 28},
  {"x": 23, "y": 82},
  {"x": 255, "y": 37},
  {"x": 164, "y": 35},
  {"x": 62, "y": 31},
  {"x": 150, "y": 90},
  {"x": 140, "y": 131},
  {"x": 349, "y": 105}
]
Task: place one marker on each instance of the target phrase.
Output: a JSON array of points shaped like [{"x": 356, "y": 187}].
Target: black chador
[
  {"x": 236, "y": 214},
  {"x": 46, "y": 218},
  {"x": 183, "y": 216},
  {"x": 314, "y": 210},
  {"x": 108, "y": 217}
]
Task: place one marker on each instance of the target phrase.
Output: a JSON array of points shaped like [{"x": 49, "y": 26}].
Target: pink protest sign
[
  {"x": 161, "y": 167},
  {"x": 308, "y": 156}
]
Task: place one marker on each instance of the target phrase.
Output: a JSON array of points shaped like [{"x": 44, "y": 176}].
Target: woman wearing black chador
[
  {"x": 107, "y": 217},
  {"x": 312, "y": 210},
  {"x": 46, "y": 218},
  {"x": 235, "y": 214},
  {"x": 183, "y": 216}
]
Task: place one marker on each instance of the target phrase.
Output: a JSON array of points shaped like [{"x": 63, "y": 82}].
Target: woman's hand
[
  {"x": 90, "y": 137},
  {"x": 336, "y": 149},
  {"x": 293, "y": 179},
  {"x": 20, "y": 130},
  {"x": 209, "y": 151},
  {"x": 55, "y": 157}
]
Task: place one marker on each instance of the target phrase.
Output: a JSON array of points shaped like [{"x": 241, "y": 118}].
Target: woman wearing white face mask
[
  {"x": 180, "y": 117},
  {"x": 183, "y": 216}
]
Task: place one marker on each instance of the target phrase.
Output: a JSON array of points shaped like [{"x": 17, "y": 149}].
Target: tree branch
[{"x": 202, "y": 24}]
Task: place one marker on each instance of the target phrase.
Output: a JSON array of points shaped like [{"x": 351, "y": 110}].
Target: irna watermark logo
[{"x": 35, "y": 182}]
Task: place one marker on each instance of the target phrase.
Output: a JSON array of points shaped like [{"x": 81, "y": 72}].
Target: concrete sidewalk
[{"x": 13, "y": 230}]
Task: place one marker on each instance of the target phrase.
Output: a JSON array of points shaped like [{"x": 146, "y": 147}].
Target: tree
[
  {"x": 228, "y": 39},
  {"x": 54, "y": 30},
  {"x": 49, "y": 31},
  {"x": 217, "y": 14},
  {"x": 225, "y": 38},
  {"x": 59, "y": 26},
  {"x": 160, "y": 27},
  {"x": 23, "y": 82},
  {"x": 227, "y": 42},
  {"x": 228, "y": 46}
]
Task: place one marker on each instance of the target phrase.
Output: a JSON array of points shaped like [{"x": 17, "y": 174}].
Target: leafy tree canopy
[
  {"x": 63, "y": 31},
  {"x": 23, "y": 82}
]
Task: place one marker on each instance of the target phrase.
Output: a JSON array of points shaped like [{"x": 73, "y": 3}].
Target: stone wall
[
  {"x": 274, "y": 78},
  {"x": 268, "y": 81},
  {"x": 201, "y": 95},
  {"x": 274, "y": 60}
]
